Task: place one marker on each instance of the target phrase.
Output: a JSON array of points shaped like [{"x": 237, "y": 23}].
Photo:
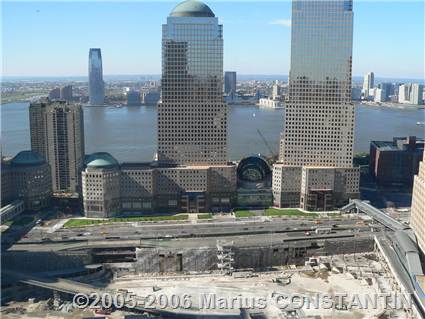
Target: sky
[{"x": 53, "y": 38}]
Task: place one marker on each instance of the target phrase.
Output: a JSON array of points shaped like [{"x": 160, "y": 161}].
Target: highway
[
  {"x": 250, "y": 240},
  {"x": 152, "y": 231}
]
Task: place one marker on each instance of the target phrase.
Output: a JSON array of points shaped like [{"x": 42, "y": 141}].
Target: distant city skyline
[{"x": 256, "y": 39}]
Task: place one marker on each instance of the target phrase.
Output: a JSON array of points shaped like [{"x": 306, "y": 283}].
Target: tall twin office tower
[
  {"x": 315, "y": 168},
  {"x": 192, "y": 115}
]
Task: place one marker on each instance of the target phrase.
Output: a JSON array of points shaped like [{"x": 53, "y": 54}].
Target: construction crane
[{"x": 274, "y": 156}]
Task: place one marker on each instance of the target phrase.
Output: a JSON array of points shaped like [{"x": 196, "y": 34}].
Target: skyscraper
[
  {"x": 229, "y": 82},
  {"x": 379, "y": 95},
  {"x": 57, "y": 133},
  {"x": 96, "y": 84},
  {"x": 133, "y": 98},
  {"x": 315, "y": 169},
  {"x": 387, "y": 89},
  {"x": 66, "y": 93},
  {"x": 276, "y": 91},
  {"x": 404, "y": 91},
  {"x": 418, "y": 205},
  {"x": 54, "y": 94},
  {"x": 192, "y": 117},
  {"x": 416, "y": 94},
  {"x": 368, "y": 84},
  {"x": 192, "y": 173}
]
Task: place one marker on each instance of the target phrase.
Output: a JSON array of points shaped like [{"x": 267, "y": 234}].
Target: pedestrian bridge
[
  {"x": 69, "y": 287},
  {"x": 56, "y": 284},
  {"x": 377, "y": 215}
]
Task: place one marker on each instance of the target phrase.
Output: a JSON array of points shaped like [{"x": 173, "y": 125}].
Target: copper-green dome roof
[
  {"x": 101, "y": 160},
  {"x": 27, "y": 158},
  {"x": 192, "y": 8}
]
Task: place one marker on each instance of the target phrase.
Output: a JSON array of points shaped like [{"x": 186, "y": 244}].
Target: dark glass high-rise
[{"x": 96, "y": 84}]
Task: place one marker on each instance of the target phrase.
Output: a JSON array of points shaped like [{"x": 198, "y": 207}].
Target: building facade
[
  {"x": 404, "y": 93},
  {"x": 26, "y": 177},
  {"x": 387, "y": 90},
  {"x": 229, "y": 82},
  {"x": 150, "y": 97},
  {"x": 111, "y": 189},
  {"x": 277, "y": 91},
  {"x": 356, "y": 93},
  {"x": 192, "y": 115},
  {"x": 379, "y": 95},
  {"x": 96, "y": 84},
  {"x": 416, "y": 95},
  {"x": 101, "y": 186},
  {"x": 133, "y": 98},
  {"x": 66, "y": 93},
  {"x": 319, "y": 114},
  {"x": 270, "y": 103},
  {"x": 192, "y": 173},
  {"x": 368, "y": 83},
  {"x": 395, "y": 163},
  {"x": 57, "y": 133},
  {"x": 417, "y": 220},
  {"x": 55, "y": 94}
]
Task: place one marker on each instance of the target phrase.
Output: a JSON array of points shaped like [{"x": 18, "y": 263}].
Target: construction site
[
  {"x": 362, "y": 275},
  {"x": 221, "y": 269}
]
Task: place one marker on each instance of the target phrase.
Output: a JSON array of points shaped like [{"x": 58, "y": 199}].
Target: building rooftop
[
  {"x": 137, "y": 165},
  {"x": 101, "y": 160},
  {"x": 192, "y": 8},
  {"x": 400, "y": 144},
  {"x": 27, "y": 158}
]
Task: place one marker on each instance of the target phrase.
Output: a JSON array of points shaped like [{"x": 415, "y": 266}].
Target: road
[
  {"x": 252, "y": 240},
  {"x": 144, "y": 231}
]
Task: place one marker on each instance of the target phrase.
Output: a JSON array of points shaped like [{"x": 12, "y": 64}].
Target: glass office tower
[
  {"x": 319, "y": 122},
  {"x": 316, "y": 150},
  {"x": 192, "y": 115},
  {"x": 229, "y": 82},
  {"x": 96, "y": 84}
]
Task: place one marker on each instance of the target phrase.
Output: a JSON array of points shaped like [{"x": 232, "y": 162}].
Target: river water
[{"x": 129, "y": 133}]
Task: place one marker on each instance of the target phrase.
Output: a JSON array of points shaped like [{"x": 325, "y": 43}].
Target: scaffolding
[{"x": 225, "y": 256}]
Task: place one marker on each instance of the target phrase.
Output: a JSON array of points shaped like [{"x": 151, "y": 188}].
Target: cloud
[{"x": 284, "y": 22}]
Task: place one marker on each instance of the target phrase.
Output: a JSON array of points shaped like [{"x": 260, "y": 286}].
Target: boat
[{"x": 420, "y": 123}]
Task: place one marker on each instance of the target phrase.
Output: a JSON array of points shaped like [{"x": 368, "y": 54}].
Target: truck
[{"x": 323, "y": 230}]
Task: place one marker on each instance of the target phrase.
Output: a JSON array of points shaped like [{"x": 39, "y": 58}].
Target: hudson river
[{"x": 129, "y": 133}]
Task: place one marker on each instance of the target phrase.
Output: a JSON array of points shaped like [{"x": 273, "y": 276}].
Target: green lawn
[
  {"x": 87, "y": 222},
  {"x": 288, "y": 212},
  {"x": 83, "y": 222},
  {"x": 243, "y": 213},
  {"x": 205, "y": 216}
]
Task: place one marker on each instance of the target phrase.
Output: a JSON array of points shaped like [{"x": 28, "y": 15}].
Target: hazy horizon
[{"x": 146, "y": 77}]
